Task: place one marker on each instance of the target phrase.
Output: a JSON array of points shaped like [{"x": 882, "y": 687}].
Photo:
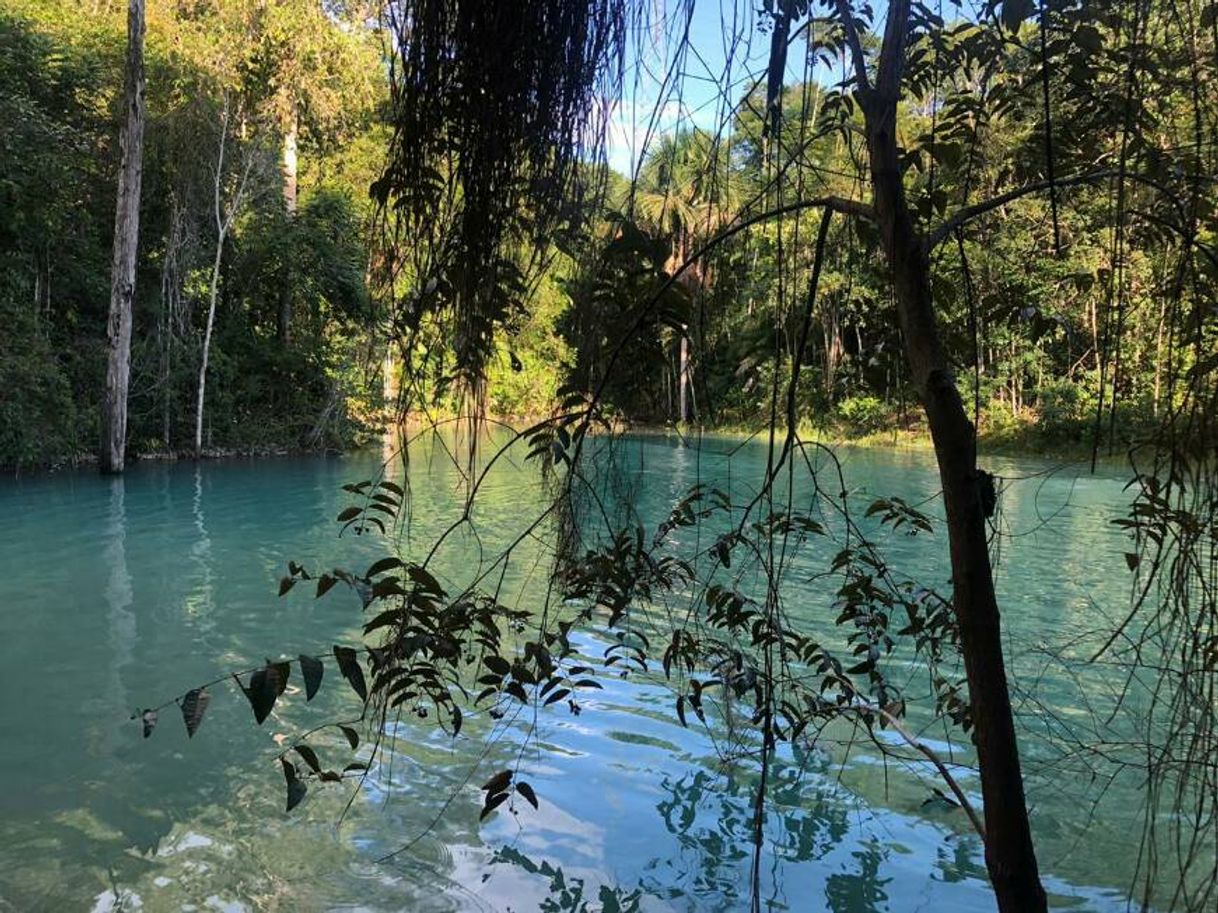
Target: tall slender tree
[
  {"x": 126, "y": 245},
  {"x": 226, "y": 205},
  {"x": 1009, "y": 852}
]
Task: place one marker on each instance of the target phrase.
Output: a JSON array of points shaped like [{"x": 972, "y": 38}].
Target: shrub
[
  {"x": 1066, "y": 410},
  {"x": 863, "y": 413},
  {"x": 37, "y": 415}
]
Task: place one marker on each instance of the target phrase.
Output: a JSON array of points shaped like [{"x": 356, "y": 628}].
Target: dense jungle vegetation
[
  {"x": 973, "y": 223},
  {"x": 1058, "y": 344},
  {"x": 293, "y": 360}
]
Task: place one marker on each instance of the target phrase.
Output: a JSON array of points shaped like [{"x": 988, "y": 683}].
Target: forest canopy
[{"x": 1058, "y": 306}]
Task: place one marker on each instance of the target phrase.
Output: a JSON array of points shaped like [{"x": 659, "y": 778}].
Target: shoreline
[{"x": 916, "y": 441}]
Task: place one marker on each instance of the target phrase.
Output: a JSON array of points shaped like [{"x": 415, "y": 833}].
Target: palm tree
[{"x": 685, "y": 192}]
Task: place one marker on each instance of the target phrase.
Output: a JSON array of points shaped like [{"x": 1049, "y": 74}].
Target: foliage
[
  {"x": 1049, "y": 164},
  {"x": 59, "y": 82},
  {"x": 863, "y": 413}
]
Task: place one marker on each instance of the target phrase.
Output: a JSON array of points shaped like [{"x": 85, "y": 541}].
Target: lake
[{"x": 121, "y": 593}]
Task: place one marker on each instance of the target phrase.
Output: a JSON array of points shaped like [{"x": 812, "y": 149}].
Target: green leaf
[
  {"x": 352, "y": 736},
  {"x": 349, "y": 665},
  {"x": 492, "y": 803},
  {"x": 499, "y": 782},
  {"x": 527, "y": 791},
  {"x": 310, "y": 757},
  {"x": 1088, "y": 38},
  {"x": 324, "y": 583},
  {"x": 193, "y": 705},
  {"x": 296, "y": 787},
  {"x": 517, "y": 691},
  {"x": 497, "y": 664},
  {"x": 311, "y": 669},
  {"x": 385, "y": 564},
  {"x": 348, "y": 513},
  {"x": 264, "y": 689},
  {"x": 1014, "y": 12},
  {"x": 286, "y": 584},
  {"x": 424, "y": 579}
]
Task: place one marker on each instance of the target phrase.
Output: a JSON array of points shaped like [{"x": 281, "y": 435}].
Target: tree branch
[
  {"x": 945, "y": 229},
  {"x": 938, "y": 235},
  {"x": 846, "y": 14},
  {"x": 892, "y": 51},
  {"x": 918, "y": 745}
]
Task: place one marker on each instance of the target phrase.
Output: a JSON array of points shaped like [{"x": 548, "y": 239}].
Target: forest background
[{"x": 305, "y": 328}]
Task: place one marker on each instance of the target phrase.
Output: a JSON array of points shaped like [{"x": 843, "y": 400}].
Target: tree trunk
[
  {"x": 683, "y": 378},
  {"x": 224, "y": 215},
  {"x": 211, "y": 320},
  {"x": 1009, "y": 853},
  {"x": 126, "y": 244},
  {"x": 288, "y": 168}
]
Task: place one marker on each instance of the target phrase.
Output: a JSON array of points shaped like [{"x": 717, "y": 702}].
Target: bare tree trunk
[
  {"x": 683, "y": 378},
  {"x": 126, "y": 246},
  {"x": 1009, "y": 853},
  {"x": 834, "y": 347},
  {"x": 211, "y": 321},
  {"x": 288, "y": 169},
  {"x": 224, "y": 214},
  {"x": 170, "y": 286},
  {"x": 1158, "y": 392},
  {"x": 289, "y": 165}
]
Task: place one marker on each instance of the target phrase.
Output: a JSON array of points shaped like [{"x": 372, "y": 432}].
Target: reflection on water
[
  {"x": 120, "y": 628},
  {"x": 119, "y": 592}
]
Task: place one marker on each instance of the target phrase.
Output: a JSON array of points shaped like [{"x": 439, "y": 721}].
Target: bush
[
  {"x": 37, "y": 415},
  {"x": 1066, "y": 410},
  {"x": 863, "y": 414}
]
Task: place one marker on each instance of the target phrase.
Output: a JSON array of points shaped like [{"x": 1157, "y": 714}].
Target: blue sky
[{"x": 696, "y": 99}]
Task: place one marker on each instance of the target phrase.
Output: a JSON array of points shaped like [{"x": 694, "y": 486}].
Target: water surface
[{"x": 119, "y": 593}]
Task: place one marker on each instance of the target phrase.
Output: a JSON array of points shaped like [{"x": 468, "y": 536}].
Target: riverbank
[
  {"x": 1023, "y": 439},
  {"x": 1028, "y": 442},
  {"x": 261, "y": 451}
]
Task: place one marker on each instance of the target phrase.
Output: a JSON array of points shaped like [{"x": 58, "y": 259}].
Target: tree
[
  {"x": 1009, "y": 854},
  {"x": 228, "y": 196},
  {"x": 685, "y": 192},
  {"x": 126, "y": 245}
]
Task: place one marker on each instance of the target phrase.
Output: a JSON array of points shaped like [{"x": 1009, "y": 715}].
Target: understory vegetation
[{"x": 293, "y": 360}]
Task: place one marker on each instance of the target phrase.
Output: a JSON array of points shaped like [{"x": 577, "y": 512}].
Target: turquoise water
[{"x": 120, "y": 593}]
